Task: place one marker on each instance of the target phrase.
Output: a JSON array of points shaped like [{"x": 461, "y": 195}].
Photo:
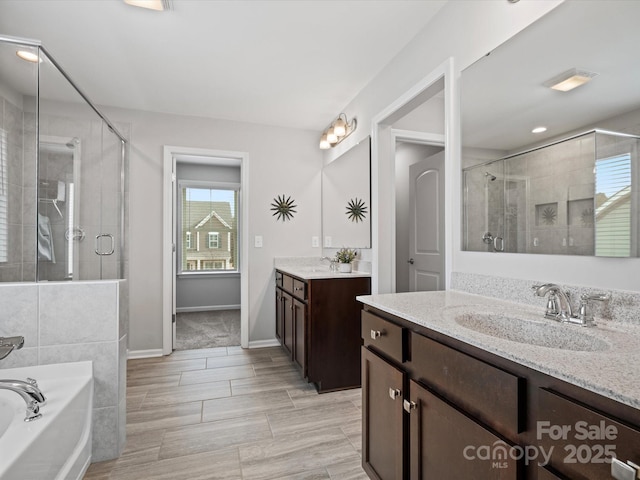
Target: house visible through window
[{"x": 208, "y": 227}]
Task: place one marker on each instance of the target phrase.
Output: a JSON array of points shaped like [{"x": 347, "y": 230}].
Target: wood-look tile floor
[{"x": 229, "y": 413}]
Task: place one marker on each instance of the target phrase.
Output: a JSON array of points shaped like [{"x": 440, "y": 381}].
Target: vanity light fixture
[
  {"x": 28, "y": 56},
  {"x": 570, "y": 79},
  {"x": 339, "y": 129},
  {"x": 539, "y": 129},
  {"x": 158, "y": 5}
]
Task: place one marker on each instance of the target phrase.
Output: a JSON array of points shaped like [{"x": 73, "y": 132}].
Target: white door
[{"x": 426, "y": 225}]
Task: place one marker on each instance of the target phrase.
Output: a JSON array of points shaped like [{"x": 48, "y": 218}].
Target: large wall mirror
[
  {"x": 346, "y": 199},
  {"x": 547, "y": 170}
]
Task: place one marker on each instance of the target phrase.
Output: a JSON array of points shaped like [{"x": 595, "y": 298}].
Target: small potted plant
[{"x": 344, "y": 257}]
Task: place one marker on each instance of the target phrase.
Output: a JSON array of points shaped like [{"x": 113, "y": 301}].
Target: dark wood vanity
[
  {"x": 318, "y": 325},
  {"x": 438, "y": 408}
]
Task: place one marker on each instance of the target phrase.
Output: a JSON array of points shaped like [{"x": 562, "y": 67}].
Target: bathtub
[{"x": 58, "y": 445}]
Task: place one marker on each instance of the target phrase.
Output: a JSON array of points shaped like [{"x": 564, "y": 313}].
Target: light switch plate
[
  {"x": 258, "y": 241},
  {"x": 315, "y": 242},
  {"x": 327, "y": 241}
]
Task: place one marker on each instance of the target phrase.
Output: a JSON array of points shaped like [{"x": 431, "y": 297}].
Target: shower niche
[{"x": 576, "y": 196}]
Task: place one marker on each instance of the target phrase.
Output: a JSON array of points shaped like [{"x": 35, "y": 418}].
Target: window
[
  {"x": 208, "y": 218},
  {"x": 613, "y": 206},
  {"x": 213, "y": 240}
]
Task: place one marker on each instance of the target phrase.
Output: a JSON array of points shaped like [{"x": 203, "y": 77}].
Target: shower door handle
[{"x": 108, "y": 252}]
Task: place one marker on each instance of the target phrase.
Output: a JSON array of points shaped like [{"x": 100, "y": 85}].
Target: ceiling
[
  {"x": 286, "y": 63},
  {"x": 503, "y": 94}
]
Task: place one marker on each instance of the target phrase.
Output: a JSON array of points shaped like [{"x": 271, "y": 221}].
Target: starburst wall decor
[
  {"x": 356, "y": 210},
  {"x": 283, "y": 209}
]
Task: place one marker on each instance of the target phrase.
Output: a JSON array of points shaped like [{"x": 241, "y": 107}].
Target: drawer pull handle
[
  {"x": 375, "y": 334},
  {"x": 408, "y": 406},
  {"x": 394, "y": 393},
  {"x": 623, "y": 471},
  {"x": 297, "y": 289}
]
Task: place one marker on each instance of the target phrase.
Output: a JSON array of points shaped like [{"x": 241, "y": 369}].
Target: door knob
[
  {"x": 394, "y": 393},
  {"x": 408, "y": 406},
  {"x": 411, "y": 261}
]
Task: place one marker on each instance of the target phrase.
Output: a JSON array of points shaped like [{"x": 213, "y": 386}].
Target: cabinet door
[
  {"x": 445, "y": 443},
  {"x": 382, "y": 418},
  {"x": 279, "y": 314},
  {"x": 299, "y": 326},
  {"x": 287, "y": 323}
]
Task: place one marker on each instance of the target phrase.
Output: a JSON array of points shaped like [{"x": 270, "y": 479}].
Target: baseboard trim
[
  {"x": 154, "y": 352},
  {"x": 264, "y": 343},
  {"x": 207, "y": 308}
]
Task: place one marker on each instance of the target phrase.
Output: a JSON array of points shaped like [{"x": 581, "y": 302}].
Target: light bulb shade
[
  {"x": 331, "y": 136},
  {"x": 324, "y": 143},
  {"x": 340, "y": 128}
]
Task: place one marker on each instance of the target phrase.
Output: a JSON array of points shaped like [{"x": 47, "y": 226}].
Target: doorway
[
  {"x": 385, "y": 134},
  {"x": 419, "y": 169},
  {"x": 205, "y": 277}
]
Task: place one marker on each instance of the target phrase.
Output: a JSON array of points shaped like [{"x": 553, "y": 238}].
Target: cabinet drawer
[
  {"x": 490, "y": 394},
  {"x": 299, "y": 289},
  {"x": 287, "y": 283},
  {"x": 581, "y": 438},
  {"x": 278, "y": 279},
  {"x": 383, "y": 336}
]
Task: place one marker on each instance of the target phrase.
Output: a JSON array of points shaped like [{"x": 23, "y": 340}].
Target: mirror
[
  {"x": 346, "y": 198},
  {"x": 571, "y": 189}
]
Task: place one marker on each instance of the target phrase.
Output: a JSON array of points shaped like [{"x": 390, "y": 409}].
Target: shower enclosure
[
  {"x": 576, "y": 196},
  {"x": 62, "y": 174}
]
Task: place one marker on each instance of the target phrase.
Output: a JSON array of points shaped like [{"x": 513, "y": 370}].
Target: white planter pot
[{"x": 344, "y": 267}]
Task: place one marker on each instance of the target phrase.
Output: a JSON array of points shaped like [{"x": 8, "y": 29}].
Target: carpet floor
[{"x": 220, "y": 328}]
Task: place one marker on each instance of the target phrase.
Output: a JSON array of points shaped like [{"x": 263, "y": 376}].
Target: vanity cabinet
[
  {"x": 409, "y": 430},
  {"x": 318, "y": 325},
  {"x": 435, "y": 407}
]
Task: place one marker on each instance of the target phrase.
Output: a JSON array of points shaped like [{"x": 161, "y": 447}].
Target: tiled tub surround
[
  {"x": 72, "y": 322},
  {"x": 611, "y": 372}
]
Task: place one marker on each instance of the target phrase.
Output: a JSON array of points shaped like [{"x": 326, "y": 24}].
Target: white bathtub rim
[{"x": 13, "y": 448}]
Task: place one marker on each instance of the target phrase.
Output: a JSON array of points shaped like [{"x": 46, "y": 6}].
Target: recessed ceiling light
[
  {"x": 570, "y": 79},
  {"x": 158, "y": 5},
  {"x": 539, "y": 130},
  {"x": 28, "y": 56}
]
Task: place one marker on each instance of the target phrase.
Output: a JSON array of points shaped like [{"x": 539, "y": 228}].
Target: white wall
[
  {"x": 281, "y": 161},
  {"x": 457, "y": 32}
]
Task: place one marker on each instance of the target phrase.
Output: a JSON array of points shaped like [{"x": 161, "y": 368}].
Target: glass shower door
[{"x": 80, "y": 163}]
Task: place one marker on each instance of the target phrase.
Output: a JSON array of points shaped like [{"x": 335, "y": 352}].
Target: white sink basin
[{"x": 542, "y": 333}]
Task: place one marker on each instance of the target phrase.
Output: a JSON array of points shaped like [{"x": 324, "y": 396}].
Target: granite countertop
[
  {"x": 609, "y": 367},
  {"x": 307, "y": 272}
]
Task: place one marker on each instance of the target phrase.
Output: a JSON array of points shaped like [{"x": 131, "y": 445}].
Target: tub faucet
[
  {"x": 9, "y": 344},
  {"x": 29, "y": 392}
]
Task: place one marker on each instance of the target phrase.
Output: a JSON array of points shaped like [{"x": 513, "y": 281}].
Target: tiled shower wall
[
  {"x": 17, "y": 196},
  {"x": 70, "y": 322}
]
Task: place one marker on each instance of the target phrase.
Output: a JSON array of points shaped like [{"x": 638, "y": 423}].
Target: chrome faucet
[
  {"x": 332, "y": 266},
  {"x": 559, "y": 305},
  {"x": 9, "y": 344},
  {"x": 29, "y": 392}
]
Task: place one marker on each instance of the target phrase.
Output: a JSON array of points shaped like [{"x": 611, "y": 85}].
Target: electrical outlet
[
  {"x": 258, "y": 241},
  {"x": 327, "y": 241},
  {"x": 315, "y": 242}
]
